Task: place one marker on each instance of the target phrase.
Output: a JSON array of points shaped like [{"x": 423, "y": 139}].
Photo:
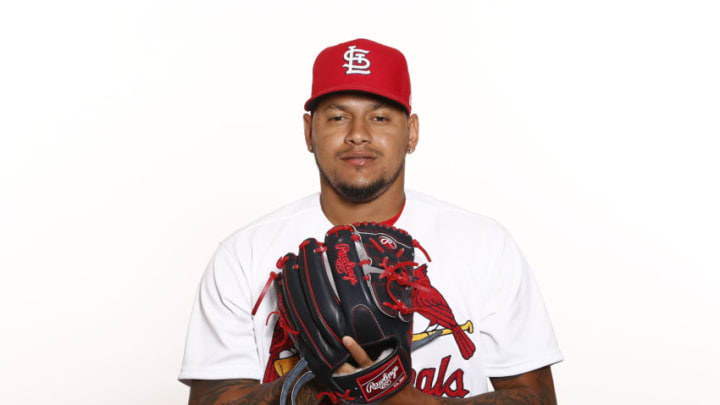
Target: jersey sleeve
[
  {"x": 220, "y": 340},
  {"x": 516, "y": 335}
]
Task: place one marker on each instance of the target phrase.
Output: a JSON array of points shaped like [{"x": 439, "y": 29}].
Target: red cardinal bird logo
[{"x": 431, "y": 304}]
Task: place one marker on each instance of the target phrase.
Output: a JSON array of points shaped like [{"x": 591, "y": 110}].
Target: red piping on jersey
[{"x": 391, "y": 221}]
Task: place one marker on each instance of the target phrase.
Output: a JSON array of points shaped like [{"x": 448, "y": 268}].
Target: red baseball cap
[{"x": 361, "y": 65}]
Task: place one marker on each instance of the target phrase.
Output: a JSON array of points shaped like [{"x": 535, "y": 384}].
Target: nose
[{"x": 358, "y": 132}]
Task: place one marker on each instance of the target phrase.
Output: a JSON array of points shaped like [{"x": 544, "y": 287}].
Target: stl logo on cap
[{"x": 357, "y": 63}]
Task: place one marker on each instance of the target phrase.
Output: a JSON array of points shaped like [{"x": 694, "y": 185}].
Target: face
[{"x": 360, "y": 143}]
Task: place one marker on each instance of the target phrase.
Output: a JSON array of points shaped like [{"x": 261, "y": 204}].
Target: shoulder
[
  {"x": 299, "y": 217},
  {"x": 448, "y": 230},
  {"x": 422, "y": 207}
]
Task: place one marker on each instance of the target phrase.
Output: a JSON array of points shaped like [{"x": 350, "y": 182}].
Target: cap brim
[{"x": 309, "y": 104}]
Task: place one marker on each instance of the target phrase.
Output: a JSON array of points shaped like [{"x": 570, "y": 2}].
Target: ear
[
  {"x": 307, "y": 123},
  {"x": 413, "y": 132}
]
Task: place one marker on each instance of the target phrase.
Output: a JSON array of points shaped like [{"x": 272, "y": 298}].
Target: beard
[{"x": 361, "y": 193}]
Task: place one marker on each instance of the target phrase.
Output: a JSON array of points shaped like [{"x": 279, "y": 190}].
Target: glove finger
[
  {"x": 369, "y": 260},
  {"x": 308, "y": 352},
  {"x": 318, "y": 352},
  {"x": 352, "y": 284},
  {"x": 325, "y": 305}
]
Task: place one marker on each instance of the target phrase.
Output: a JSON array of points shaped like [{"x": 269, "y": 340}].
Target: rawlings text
[
  {"x": 383, "y": 380},
  {"x": 343, "y": 265}
]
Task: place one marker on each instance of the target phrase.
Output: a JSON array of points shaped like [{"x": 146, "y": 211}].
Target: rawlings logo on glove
[
  {"x": 384, "y": 381},
  {"x": 343, "y": 265}
]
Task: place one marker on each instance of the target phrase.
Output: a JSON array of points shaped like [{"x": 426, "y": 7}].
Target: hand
[
  {"x": 407, "y": 395},
  {"x": 357, "y": 353}
]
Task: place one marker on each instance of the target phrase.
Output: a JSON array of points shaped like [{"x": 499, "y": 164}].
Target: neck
[{"x": 340, "y": 211}]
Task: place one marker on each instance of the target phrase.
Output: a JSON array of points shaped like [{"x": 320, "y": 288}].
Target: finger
[
  {"x": 357, "y": 352},
  {"x": 346, "y": 368}
]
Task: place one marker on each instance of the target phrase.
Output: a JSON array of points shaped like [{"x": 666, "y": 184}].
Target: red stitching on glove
[
  {"x": 281, "y": 262},
  {"x": 417, "y": 245},
  {"x": 340, "y": 228},
  {"x": 272, "y": 277},
  {"x": 377, "y": 245}
]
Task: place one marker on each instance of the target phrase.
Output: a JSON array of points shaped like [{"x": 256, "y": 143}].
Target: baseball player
[{"x": 479, "y": 315}]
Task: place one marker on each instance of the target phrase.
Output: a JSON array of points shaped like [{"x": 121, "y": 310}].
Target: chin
[
  {"x": 361, "y": 189},
  {"x": 361, "y": 192}
]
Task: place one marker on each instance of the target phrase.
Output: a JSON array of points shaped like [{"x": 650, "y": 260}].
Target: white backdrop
[{"x": 135, "y": 135}]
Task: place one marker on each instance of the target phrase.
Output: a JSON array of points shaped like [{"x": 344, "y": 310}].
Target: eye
[
  {"x": 337, "y": 118},
  {"x": 380, "y": 118}
]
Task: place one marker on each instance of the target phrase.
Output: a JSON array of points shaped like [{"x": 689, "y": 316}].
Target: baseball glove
[{"x": 358, "y": 283}]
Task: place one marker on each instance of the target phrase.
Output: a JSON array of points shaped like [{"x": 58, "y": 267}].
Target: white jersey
[{"x": 476, "y": 269}]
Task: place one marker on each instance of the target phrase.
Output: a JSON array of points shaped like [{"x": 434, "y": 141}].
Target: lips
[{"x": 358, "y": 158}]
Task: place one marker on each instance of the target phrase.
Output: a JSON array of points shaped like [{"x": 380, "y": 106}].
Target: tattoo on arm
[
  {"x": 233, "y": 392},
  {"x": 533, "y": 388},
  {"x": 517, "y": 396},
  {"x": 245, "y": 391}
]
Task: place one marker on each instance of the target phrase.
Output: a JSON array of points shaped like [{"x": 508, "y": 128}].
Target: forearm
[
  {"x": 532, "y": 388},
  {"x": 241, "y": 392},
  {"x": 514, "y": 396}
]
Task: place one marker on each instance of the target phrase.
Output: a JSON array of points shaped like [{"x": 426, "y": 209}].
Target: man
[{"x": 480, "y": 296}]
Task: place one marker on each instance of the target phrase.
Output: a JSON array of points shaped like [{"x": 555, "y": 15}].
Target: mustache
[{"x": 349, "y": 152}]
